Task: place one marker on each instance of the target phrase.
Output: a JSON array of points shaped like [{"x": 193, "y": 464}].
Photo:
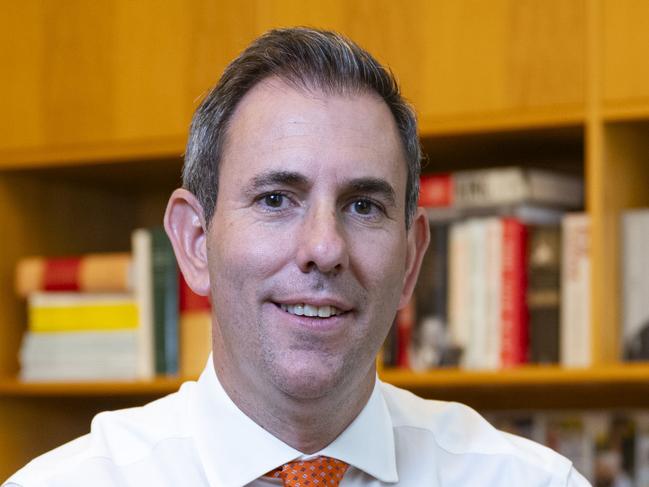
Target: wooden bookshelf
[{"x": 94, "y": 125}]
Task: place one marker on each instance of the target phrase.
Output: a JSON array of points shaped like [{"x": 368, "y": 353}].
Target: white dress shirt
[{"x": 198, "y": 437}]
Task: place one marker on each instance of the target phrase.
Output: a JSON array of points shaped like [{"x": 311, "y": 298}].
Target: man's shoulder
[
  {"x": 462, "y": 436},
  {"x": 117, "y": 439}
]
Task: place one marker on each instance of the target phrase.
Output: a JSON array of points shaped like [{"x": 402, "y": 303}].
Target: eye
[
  {"x": 274, "y": 200},
  {"x": 363, "y": 207},
  {"x": 366, "y": 208}
]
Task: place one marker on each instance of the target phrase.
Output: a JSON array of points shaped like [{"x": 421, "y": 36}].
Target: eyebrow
[
  {"x": 366, "y": 185},
  {"x": 273, "y": 178},
  {"x": 376, "y": 186}
]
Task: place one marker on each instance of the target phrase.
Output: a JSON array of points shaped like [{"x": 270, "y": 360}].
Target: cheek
[
  {"x": 245, "y": 253},
  {"x": 380, "y": 261}
]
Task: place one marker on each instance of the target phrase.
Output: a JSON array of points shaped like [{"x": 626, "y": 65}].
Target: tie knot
[{"x": 317, "y": 472}]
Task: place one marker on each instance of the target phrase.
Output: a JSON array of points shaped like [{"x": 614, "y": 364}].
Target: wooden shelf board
[
  {"x": 626, "y": 111},
  {"x": 617, "y": 386},
  {"x": 91, "y": 153},
  {"x": 156, "y": 387},
  {"x": 499, "y": 122},
  {"x": 529, "y": 376}
]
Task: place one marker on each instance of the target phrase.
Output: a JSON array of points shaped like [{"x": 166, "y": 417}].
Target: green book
[{"x": 165, "y": 302}]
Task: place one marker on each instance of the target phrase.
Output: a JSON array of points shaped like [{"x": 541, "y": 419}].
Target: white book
[
  {"x": 513, "y": 185},
  {"x": 87, "y": 355},
  {"x": 477, "y": 279},
  {"x": 575, "y": 326},
  {"x": 459, "y": 290},
  {"x": 78, "y": 347},
  {"x": 142, "y": 255},
  {"x": 635, "y": 284},
  {"x": 493, "y": 278},
  {"x": 74, "y": 372}
]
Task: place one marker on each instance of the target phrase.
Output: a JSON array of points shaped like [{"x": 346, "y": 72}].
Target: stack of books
[
  {"x": 490, "y": 292},
  {"x": 82, "y": 317},
  {"x": 114, "y": 316}
]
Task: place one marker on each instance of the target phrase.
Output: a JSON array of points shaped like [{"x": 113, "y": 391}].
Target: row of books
[
  {"x": 505, "y": 280},
  {"x": 608, "y": 448},
  {"x": 112, "y": 316}
]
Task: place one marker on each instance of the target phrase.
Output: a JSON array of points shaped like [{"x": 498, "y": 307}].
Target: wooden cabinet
[
  {"x": 97, "y": 98},
  {"x": 90, "y": 75},
  {"x": 624, "y": 39}
]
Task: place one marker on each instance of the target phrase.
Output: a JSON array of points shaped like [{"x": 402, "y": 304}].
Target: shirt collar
[{"x": 234, "y": 450}]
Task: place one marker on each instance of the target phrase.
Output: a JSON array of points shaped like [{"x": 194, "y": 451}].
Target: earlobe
[
  {"x": 187, "y": 231},
  {"x": 418, "y": 239}
]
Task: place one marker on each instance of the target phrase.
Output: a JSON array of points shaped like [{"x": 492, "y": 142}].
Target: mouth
[{"x": 310, "y": 310}]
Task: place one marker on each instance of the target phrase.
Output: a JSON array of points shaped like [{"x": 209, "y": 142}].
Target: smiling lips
[{"x": 311, "y": 310}]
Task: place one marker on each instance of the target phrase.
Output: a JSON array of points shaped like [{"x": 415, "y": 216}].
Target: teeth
[
  {"x": 310, "y": 310},
  {"x": 324, "y": 311}
]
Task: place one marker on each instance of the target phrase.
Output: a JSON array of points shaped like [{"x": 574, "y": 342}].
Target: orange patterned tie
[{"x": 318, "y": 472}]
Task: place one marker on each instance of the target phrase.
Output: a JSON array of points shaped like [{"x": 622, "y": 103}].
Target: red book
[
  {"x": 92, "y": 273},
  {"x": 195, "y": 330},
  {"x": 405, "y": 320},
  {"x": 189, "y": 300},
  {"x": 436, "y": 191},
  {"x": 514, "y": 332}
]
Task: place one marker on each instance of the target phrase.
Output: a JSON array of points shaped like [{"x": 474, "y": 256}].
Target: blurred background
[{"x": 533, "y": 303}]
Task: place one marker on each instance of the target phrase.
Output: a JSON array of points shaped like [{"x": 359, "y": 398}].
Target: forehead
[{"x": 276, "y": 126}]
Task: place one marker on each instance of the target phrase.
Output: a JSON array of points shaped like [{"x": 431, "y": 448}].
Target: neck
[{"x": 308, "y": 425}]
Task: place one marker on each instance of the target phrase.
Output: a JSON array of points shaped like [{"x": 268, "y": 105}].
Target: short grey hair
[{"x": 304, "y": 58}]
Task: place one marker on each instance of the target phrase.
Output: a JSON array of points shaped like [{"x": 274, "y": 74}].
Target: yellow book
[{"x": 77, "y": 312}]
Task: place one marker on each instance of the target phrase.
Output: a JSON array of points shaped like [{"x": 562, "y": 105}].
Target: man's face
[{"x": 307, "y": 248}]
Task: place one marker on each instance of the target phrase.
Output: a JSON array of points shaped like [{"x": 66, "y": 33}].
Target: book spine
[
  {"x": 389, "y": 349},
  {"x": 514, "y": 344},
  {"x": 515, "y": 185},
  {"x": 493, "y": 272},
  {"x": 448, "y": 354},
  {"x": 477, "y": 279},
  {"x": 188, "y": 299},
  {"x": 165, "y": 302},
  {"x": 47, "y": 312},
  {"x": 635, "y": 285},
  {"x": 436, "y": 190},
  {"x": 459, "y": 290},
  {"x": 141, "y": 243},
  {"x": 543, "y": 293},
  {"x": 405, "y": 322},
  {"x": 429, "y": 336},
  {"x": 575, "y": 343},
  {"x": 195, "y": 329},
  {"x": 109, "y": 272}
]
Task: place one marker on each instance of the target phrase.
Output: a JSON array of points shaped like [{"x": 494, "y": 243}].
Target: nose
[{"x": 322, "y": 244}]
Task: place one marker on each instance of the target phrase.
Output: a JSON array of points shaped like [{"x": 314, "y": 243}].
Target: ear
[
  {"x": 418, "y": 238},
  {"x": 185, "y": 225}
]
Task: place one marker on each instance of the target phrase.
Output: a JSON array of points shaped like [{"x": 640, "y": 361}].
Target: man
[{"x": 298, "y": 216}]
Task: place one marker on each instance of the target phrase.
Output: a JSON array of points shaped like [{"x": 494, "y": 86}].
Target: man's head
[
  {"x": 310, "y": 244},
  {"x": 306, "y": 59}
]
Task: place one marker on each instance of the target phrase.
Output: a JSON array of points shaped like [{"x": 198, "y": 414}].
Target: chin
[{"x": 308, "y": 380}]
